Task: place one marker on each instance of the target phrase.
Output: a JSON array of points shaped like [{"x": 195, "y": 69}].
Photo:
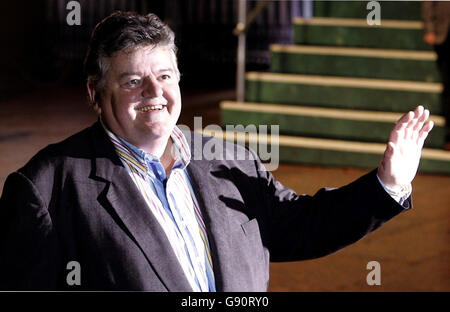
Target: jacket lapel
[
  {"x": 207, "y": 189},
  {"x": 131, "y": 208}
]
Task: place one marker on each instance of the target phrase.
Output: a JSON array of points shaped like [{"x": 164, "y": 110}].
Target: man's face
[{"x": 141, "y": 98}]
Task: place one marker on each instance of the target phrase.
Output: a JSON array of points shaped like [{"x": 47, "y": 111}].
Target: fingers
[
  {"x": 423, "y": 133},
  {"x": 421, "y": 119},
  {"x": 417, "y": 129},
  {"x": 403, "y": 121},
  {"x": 414, "y": 121},
  {"x": 400, "y": 130},
  {"x": 411, "y": 126},
  {"x": 400, "y": 126},
  {"x": 409, "y": 130}
]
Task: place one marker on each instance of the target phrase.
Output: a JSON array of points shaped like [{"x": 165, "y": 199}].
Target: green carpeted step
[
  {"x": 343, "y": 92},
  {"x": 323, "y": 122},
  {"x": 399, "y": 10},
  {"x": 314, "y": 151},
  {"x": 391, "y": 34},
  {"x": 354, "y": 62}
]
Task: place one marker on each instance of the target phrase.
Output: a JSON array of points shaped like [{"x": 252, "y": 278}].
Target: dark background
[{"x": 38, "y": 46}]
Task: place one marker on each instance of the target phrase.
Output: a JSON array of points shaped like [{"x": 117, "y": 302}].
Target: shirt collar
[{"x": 139, "y": 157}]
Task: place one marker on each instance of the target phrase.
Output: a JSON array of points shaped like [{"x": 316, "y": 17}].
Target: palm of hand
[{"x": 402, "y": 156}]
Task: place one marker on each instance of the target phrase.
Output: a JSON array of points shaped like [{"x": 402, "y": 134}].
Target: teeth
[{"x": 149, "y": 108}]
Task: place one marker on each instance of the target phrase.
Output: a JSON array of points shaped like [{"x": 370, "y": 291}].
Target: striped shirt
[{"x": 173, "y": 203}]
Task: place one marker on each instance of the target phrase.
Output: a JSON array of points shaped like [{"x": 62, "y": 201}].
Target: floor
[{"x": 413, "y": 250}]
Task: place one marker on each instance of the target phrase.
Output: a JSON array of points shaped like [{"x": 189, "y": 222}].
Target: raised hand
[{"x": 402, "y": 155}]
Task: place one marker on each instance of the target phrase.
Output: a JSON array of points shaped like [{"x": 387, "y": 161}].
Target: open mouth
[{"x": 151, "y": 108}]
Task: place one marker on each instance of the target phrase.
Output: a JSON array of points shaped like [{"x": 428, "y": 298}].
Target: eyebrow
[
  {"x": 140, "y": 74},
  {"x": 129, "y": 74}
]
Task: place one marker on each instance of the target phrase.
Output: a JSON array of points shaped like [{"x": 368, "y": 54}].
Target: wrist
[
  {"x": 399, "y": 193},
  {"x": 394, "y": 188},
  {"x": 389, "y": 182},
  {"x": 398, "y": 190}
]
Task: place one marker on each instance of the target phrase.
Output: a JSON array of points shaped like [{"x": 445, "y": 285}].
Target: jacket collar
[{"x": 129, "y": 205}]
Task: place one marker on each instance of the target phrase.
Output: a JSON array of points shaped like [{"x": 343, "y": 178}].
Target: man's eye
[
  {"x": 133, "y": 83},
  {"x": 165, "y": 77}
]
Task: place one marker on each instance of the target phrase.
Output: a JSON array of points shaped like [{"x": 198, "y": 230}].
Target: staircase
[{"x": 338, "y": 90}]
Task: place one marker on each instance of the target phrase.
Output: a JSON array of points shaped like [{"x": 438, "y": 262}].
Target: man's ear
[
  {"x": 91, "y": 91},
  {"x": 93, "y": 97}
]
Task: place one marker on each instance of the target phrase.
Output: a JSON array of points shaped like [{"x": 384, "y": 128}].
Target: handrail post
[{"x": 240, "y": 70}]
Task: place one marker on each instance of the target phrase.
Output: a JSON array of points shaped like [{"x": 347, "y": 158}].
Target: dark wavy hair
[{"x": 123, "y": 31}]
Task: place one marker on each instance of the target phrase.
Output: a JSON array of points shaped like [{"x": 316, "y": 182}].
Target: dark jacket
[{"x": 74, "y": 201}]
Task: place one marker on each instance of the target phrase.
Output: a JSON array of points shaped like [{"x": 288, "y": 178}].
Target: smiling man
[
  {"x": 126, "y": 203},
  {"x": 139, "y": 98}
]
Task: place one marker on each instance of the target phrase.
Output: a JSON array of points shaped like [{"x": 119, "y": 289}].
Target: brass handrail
[{"x": 250, "y": 18}]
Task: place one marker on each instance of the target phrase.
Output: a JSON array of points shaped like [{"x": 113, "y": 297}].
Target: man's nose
[{"x": 152, "y": 88}]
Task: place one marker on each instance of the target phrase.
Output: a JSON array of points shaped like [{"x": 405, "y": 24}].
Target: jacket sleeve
[
  {"x": 29, "y": 257},
  {"x": 306, "y": 227}
]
